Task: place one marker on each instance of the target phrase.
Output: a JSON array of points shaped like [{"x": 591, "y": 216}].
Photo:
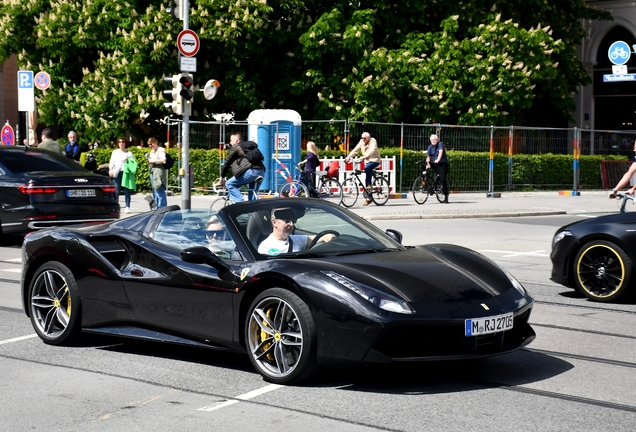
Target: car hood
[
  {"x": 596, "y": 223},
  {"x": 436, "y": 272}
]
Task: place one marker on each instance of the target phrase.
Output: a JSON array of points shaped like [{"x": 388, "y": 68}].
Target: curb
[{"x": 387, "y": 216}]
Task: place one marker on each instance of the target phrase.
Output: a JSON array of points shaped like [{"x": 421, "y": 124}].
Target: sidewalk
[{"x": 462, "y": 205}]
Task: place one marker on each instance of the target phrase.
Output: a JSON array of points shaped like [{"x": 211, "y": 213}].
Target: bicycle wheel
[
  {"x": 380, "y": 191},
  {"x": 420, "y": 190},
  {"x": 219, "y": 203},
  {"x": 437, "y": 188},
  {"x": 349, "y": 192},
  {"x": 293, "y": 189},
  {"x": 331, "y": 190}
]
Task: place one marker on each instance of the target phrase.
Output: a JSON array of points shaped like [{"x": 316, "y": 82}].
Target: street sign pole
[{"x": 185, "y": 130}]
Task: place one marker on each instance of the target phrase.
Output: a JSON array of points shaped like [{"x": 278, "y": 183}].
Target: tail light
[
  {"x": 36, "y": 190},
  {"x": 109, "y": 189}
]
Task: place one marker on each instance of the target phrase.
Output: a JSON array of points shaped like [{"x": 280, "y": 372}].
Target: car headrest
[{"x": 259, "y": 226}]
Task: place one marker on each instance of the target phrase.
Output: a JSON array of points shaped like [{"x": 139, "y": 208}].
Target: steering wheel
[{"x": 322, "y": 234}]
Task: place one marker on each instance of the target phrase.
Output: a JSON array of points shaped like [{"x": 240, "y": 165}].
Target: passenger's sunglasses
[{"x": 220, "y": 234}]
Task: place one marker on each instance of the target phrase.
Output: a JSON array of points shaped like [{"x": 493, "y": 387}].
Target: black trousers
[{"x": 442, "y": 170}]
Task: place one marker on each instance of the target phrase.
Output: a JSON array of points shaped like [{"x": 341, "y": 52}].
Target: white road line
[
  {"x": 18, "y": 339},
  {"x": 508, "y": 254},
  {"x": 11, "y": 270},
  {"x": 246, "y": 396},
  {"x": 18, "y": 260}
]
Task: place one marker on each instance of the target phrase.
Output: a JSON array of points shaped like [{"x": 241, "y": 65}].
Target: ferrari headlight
[
  {"x": 560, "y": 236},
  {"x": 380, "y": 299},
  {"x": 515, "y": 283}
]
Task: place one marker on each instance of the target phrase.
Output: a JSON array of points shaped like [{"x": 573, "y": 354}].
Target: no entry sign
[{"x": 188, "y": 43}]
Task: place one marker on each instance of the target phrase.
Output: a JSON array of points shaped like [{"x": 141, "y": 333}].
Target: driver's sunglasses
[
  {"x": 220, "y": 234},
  {"x": 288, "y": 220}
]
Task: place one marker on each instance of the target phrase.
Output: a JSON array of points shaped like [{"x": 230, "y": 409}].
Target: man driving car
[{"x": 281, "y": 240}]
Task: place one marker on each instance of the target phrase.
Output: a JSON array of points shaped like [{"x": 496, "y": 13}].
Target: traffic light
[
  {"x": 175, "y": 9},
  {"x": 186, "y": 82},
  {"x": 177, "y": 102}
]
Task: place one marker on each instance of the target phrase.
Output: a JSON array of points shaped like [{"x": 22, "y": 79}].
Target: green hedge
[{"x": 469, "y": 170}]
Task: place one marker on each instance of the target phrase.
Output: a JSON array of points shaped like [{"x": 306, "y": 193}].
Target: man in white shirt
[{"x": 281, "y": 240}]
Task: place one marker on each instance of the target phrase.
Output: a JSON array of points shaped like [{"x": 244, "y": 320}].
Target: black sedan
[
  {"x": 327, "y": 288},
  {"x": 596, "y": 257},
  {"x": 39, "y": 189}
]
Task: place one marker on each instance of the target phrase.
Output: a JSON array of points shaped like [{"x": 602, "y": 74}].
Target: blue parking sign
[
  {"x": 25, "y": 79},
  {"x": 26, "y": 99}
]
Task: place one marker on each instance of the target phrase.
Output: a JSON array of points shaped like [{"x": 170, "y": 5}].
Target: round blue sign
[{"x": 619, "y": 53}]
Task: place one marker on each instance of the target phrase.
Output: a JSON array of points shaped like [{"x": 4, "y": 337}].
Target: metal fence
[{"x": 482, "y": 158}]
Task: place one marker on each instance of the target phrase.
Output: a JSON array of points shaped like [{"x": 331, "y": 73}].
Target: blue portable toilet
[{"x": 277, "y": 133}]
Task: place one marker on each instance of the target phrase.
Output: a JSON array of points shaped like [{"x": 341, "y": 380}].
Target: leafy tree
[{"x": 473, "y": 62}]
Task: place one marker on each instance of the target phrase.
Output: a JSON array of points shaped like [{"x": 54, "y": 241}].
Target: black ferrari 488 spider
[
  {"x": 596, "y": 256},
  {"x": 296, "y": 283}
]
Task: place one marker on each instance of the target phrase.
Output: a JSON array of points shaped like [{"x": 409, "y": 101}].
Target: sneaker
[
  {"x": 367, "y": 202},
  {"x": 127, "y": 210}
]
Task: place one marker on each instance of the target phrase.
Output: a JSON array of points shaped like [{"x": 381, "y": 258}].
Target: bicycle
[
  {"x": 379, "y": 192},
  {"x": 328, "y": 188},
  {"x": 621, "y": 201},
  {"x": 426, "y": 185},
  {"x": 224, "y": 199}
]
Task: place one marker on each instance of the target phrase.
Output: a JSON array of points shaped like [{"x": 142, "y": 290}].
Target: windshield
[{"x": 290, "y": 228}]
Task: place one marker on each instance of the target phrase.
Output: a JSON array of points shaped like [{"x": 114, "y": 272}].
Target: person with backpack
[
  {"x": 246, "y": 161},
  {"x": 73, "y": 149}
]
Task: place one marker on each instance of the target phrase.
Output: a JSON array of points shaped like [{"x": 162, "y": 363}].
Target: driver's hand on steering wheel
[{"x": 327, "y": 238}]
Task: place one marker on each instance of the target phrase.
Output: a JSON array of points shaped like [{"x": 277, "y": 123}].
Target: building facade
[{"x": 607, "y": 105}]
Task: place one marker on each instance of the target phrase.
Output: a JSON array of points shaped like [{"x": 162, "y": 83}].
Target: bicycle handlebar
[{"x": 624, "y": 197}]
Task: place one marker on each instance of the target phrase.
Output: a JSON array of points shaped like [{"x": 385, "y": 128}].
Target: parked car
[
  {"x": 39, "y": 189},
  {"x": 196, "y": 277},
  {"x": 596, "y": 256}
]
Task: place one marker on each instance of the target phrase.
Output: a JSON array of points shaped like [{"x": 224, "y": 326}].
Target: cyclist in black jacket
[{"x": 245, "y": 172}]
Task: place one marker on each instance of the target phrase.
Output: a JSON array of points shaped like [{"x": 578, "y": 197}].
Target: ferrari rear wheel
[
  {"x": 55, "y": 305},
  {"x": 281, "y": 337},
  {"x": 602, "y": 271}
]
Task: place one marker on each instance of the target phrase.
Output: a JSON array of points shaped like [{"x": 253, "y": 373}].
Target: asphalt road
[{"x": 579, "y": 374}]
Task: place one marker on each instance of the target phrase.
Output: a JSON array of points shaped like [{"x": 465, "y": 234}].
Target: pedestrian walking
[
  {"x": 116, "y": 167},
  {"x": 158, "y": 173}
]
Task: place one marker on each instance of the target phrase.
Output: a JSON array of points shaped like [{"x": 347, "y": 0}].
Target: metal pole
[
  {"x": 401, "y": 155},
  {"x": 576, "y": 167},
  {"x": 510, "y": 134},
  {"x": 185, "y": 140}
]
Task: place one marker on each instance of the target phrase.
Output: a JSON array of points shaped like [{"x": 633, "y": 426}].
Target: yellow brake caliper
[
  {"x": 68, "y": 303},
  {"x": 269, "y": 356}
]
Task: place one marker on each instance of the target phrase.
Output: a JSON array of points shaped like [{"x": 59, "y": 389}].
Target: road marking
[
  {"x": 10, "y": 270},
  {"x": 18, "y": 260},
  {"x": 539, "y": 253},
  {"x": 18, "y": 339},
  {"x": 246, "y": 396}
]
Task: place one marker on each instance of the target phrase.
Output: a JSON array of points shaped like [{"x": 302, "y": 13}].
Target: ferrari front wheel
[
  {"x": 281, "y": 337},
  {"x": 54, "y": 304},
  {"x": 602, "y": 271}
]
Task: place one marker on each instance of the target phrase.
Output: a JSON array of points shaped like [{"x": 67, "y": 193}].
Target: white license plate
[
  {"x": 486, "y": 325},
  {"x": 80, "y": 193}
]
